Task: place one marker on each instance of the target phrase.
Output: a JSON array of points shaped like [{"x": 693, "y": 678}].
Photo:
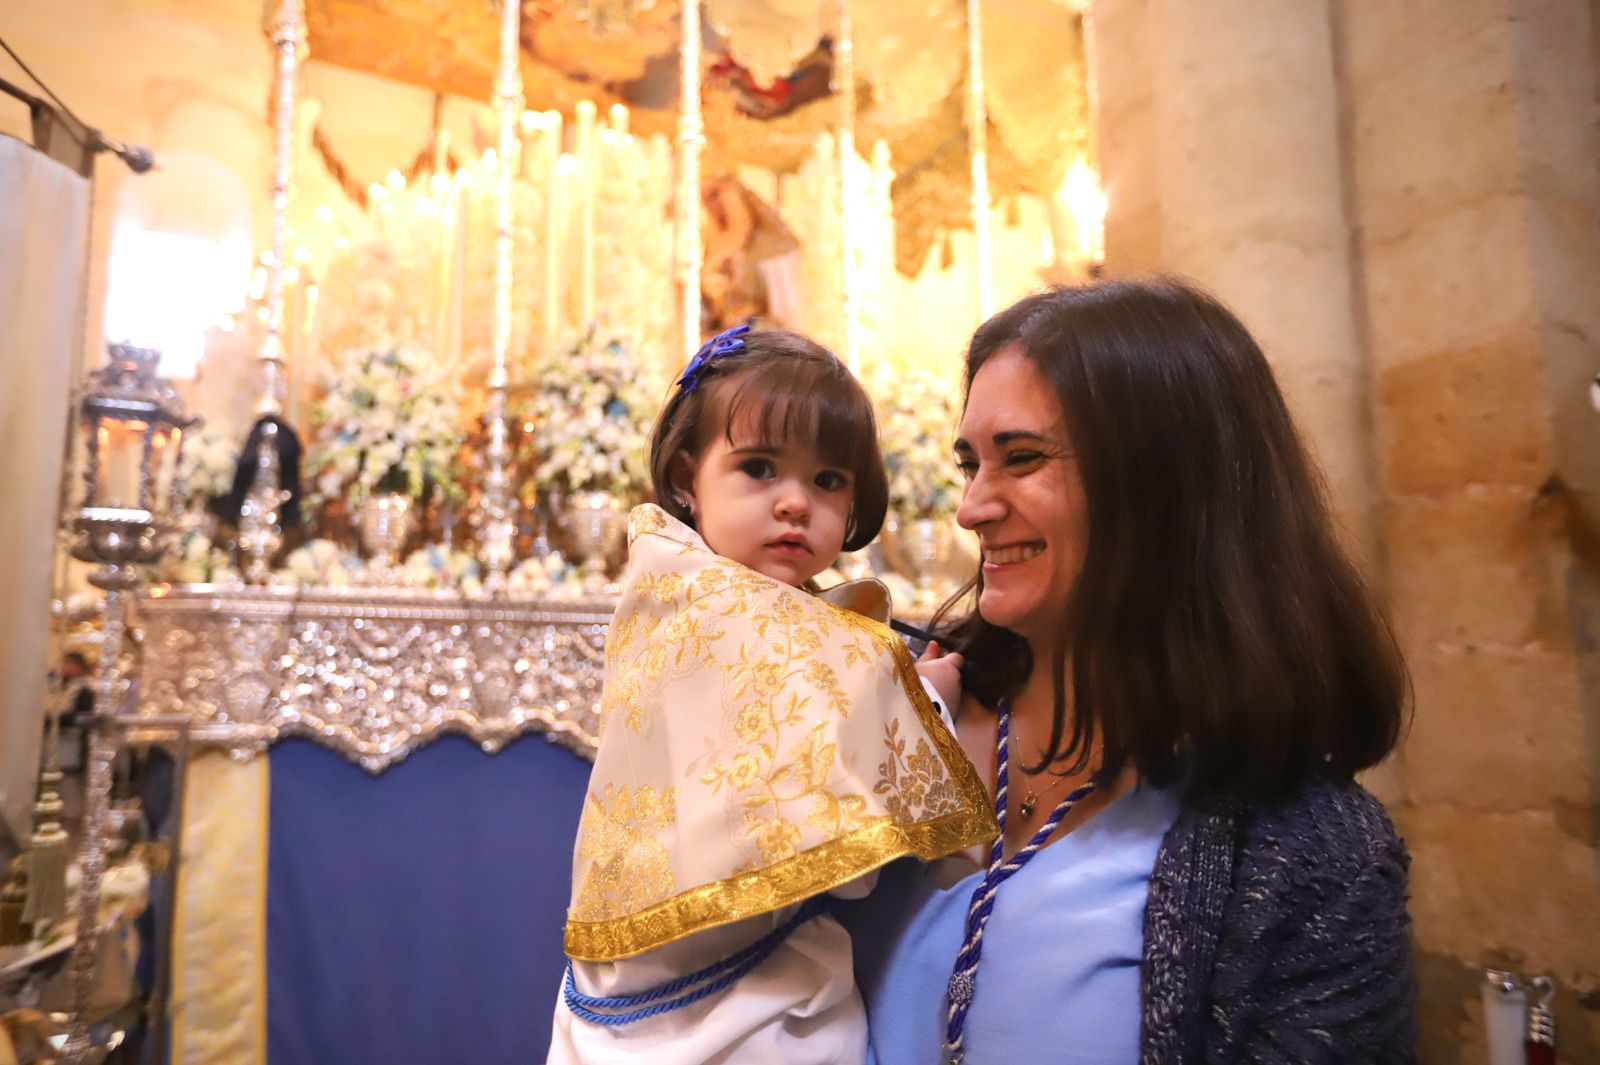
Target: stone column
[
  {"x": 1125, "y": 124},
  {"x": 1475, "y": 192},
  {"x": 1248, "y": 168}
]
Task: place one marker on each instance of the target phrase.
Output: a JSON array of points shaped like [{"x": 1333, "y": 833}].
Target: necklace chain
[{"x": 1030, "y": 801}]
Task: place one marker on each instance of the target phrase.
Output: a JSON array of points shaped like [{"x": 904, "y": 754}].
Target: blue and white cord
[
  {"x": 604, "y": 1009},
  {"x": 964, "y": 977}
]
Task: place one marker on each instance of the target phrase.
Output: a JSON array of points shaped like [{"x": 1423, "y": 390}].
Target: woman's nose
[{"x": 980, "y": 504}]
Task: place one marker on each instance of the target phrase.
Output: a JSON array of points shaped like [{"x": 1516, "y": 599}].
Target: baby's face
[{"x": 777, "y": 508}]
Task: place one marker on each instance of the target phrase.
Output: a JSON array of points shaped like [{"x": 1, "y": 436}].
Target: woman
[{"x": 1173, "y": 675}]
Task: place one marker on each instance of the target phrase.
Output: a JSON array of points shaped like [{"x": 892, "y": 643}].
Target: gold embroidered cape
[{"x": 758, "y": 746}]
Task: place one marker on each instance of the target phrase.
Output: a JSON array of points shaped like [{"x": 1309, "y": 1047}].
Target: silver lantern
[{"x": 133, "y": 424}]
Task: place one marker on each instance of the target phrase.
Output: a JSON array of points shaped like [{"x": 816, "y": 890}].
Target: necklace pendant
[{"x": 1025, "y": 807}]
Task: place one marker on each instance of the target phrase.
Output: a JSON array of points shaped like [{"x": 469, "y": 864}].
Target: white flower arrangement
[
  {"x": 439, "y": 568},
  {"x": 588, "y": 417},
  {"x": 550, "y": 577},
  {"x": 389, "y": 421},
  {"x": 917, "y": 414},
  {"x": 209, "y": 461},
  {"x": 320, "y": 562},
  {"x": 195, "y": 560}
]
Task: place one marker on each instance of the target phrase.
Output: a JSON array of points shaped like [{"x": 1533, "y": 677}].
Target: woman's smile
[{"x": 1004, "y": 558}]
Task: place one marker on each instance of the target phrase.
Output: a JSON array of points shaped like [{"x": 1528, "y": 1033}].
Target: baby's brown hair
[{"x": 806, "y": 396}]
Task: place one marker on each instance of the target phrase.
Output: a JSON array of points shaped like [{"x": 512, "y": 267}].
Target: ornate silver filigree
[
  {"x": 260, "y": 530},
  {"x": 370, "y": 673}
]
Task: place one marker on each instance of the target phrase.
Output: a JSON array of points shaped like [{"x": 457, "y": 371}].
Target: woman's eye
[
  {"x": 760, "y": 469},
  {"x": 968, "y": 468},
  {"x": 1023, "y": 459},
  {"x": 832, "y": 481}
]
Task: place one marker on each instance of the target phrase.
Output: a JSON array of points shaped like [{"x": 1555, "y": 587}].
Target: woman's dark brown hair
[
  {"x": 799, "y": 394},
  {"x": 1216, "y": 631}
]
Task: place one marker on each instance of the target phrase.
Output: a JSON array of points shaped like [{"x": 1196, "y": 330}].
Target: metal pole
[
  {"x": 691, "y": 140},
  {"x": 79, "y": 1047},
  {"x": 497, "y": 526},
  {"x": 978, "y": 147},
  {"x": 845, "y": 86},
  {"x": 286, "y": 27}
]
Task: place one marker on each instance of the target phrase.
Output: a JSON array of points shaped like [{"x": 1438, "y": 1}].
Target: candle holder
[
  {"x": 260, "y": 512},
  {"x": 134, "y": 425},
  {"x": 497, "y": 528}
]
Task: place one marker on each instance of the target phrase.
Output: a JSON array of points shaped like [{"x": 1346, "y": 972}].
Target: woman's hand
[{"x": 943, "y": 671}]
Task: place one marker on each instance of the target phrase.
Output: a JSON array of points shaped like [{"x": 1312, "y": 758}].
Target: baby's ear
[{"x": 680, "y": 472}]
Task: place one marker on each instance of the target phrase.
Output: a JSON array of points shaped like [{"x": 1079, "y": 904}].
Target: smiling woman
[
  {"x": 1024, "y": 495},
  {"x": 1174, "y": 675}
]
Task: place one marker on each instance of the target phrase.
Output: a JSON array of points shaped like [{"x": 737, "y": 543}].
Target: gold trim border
[
  {"x": 792, "y": 880},
  {"x": 822, "y": 868}
]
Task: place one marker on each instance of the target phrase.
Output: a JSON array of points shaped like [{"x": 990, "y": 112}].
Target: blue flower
[{"x": 727, "y": 342}]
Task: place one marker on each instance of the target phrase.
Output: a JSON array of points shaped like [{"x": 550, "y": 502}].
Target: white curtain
[{"x": 44, "y": 216}]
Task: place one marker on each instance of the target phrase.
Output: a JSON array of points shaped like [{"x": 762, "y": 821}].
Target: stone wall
[
  {"x": 1401, "y": 200},
  {"x": 1473, "y": 154}
]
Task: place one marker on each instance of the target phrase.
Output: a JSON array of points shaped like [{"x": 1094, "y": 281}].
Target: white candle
[
  {"x": 378, "y": 208},
  {"x": 442, "y": 191},
  {"x": 456, "y": 316},
  {"x": 552, "y": 227},
  {"x": 398, "y": 202},
  {"x": 586, "y": 150},
  {"x": 293, "y": 332},
  {"x": 302, "y": 377},
  {"x": 120, "y": 446},
  {"x": 527, "y": 130},
  {"x": 569, "y": 206}
]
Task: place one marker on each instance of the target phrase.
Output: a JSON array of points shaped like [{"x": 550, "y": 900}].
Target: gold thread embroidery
[
  {"x": 876, "y": 843},
  {"x": 621, "y": 864},
  {"x": 798, "y": 821}
]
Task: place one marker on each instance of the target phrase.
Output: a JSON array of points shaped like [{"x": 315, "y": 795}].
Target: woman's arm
[{"x": 1314, "y": 962}]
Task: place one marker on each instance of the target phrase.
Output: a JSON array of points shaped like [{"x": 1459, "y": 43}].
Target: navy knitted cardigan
[{"x": 1278, "y": 933}]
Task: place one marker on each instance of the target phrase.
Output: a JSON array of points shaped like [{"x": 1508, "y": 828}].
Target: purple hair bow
[{"x": 727, "y": 342}]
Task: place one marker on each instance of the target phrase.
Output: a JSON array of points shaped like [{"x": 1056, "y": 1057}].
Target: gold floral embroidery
[
  {"x": 621, "y": 863},
  {"x": 741, "y": 776},
  {"x": 643, "y": 520},
  {"x": 781, "y": 781},
  {"x": 650, "y": 648},
  {"x": 914, "y": 786}
]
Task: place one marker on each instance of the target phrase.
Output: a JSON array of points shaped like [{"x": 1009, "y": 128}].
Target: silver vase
[
  {"x": 927, "y": 543},
  {"x": 385, "y": 521},
  {"x": 595, "y": 522}
]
